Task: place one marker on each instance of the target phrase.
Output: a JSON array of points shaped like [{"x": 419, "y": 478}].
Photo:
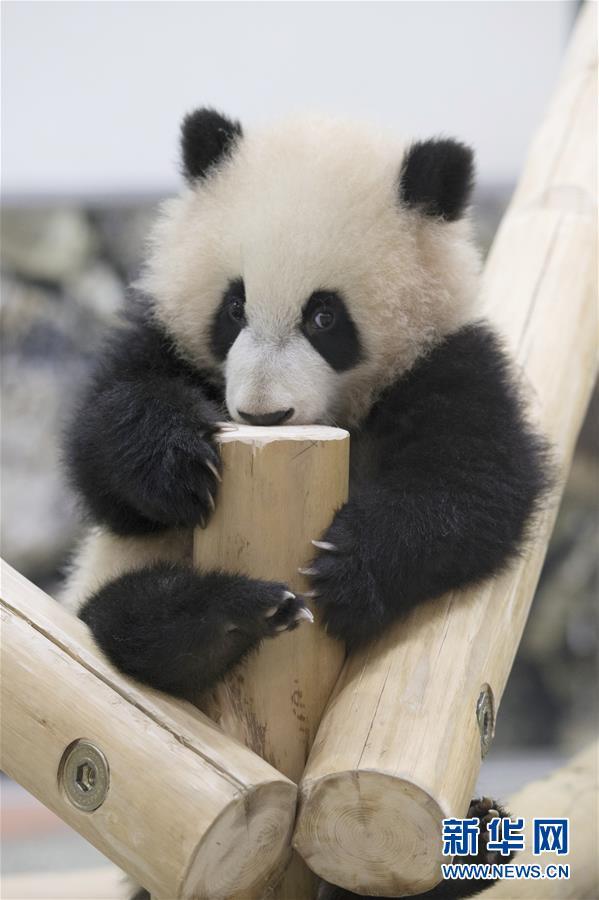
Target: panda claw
[
  {"x": 325, "y": 545},
  {"x": 211, "y": 501},
  {"x": 308, "y": 572},
  {"x": 270, "y": 612},
  {"x": 312, "y": 595},
  {"x": 304, "y": 613},
  {"x": 213, "y": 469},
  {"x": 287, "y": 595}
]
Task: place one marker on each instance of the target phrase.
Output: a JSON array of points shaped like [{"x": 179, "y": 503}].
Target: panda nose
[{"x": 273, "y": 418}]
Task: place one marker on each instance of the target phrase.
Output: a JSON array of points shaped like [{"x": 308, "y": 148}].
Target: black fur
[
  {"x": 141, "y": 894},
  {"x": 451, "y": 479},
  {"x": 179, "y": 630},
  {"x": 140, "y": 438},
  {"x": 437, "y": 177},
  {"x": 445, "y": 471},
  {"x": 207, "y": 137},
  {"x": 228, "y": 321},
  {"x": 339, "y": 344}
]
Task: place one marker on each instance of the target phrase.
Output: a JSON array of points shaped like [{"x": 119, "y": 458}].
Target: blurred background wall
[
  {"x": 94, "y": 92},
  {"x": 92, "y": 97}
]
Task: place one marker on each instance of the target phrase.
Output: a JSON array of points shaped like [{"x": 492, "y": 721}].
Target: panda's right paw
[
  {"x": 181, "y": 485},
  {"x": 264, "y": 609}
]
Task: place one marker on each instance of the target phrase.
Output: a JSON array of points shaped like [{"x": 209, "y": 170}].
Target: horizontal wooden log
[
  {"x": 188, "y": 811},
  {"x": 280, "y": 490},
  {"x": 399, "y": 746}
]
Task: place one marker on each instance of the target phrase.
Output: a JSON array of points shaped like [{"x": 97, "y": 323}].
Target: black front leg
[
  {"x": 453, "y": 479},
  {"x": 140, "y": 447},
  {"x": 180, "y": 630}
]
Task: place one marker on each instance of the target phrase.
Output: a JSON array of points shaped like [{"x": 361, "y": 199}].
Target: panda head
[{"x": 309, "y": 265}]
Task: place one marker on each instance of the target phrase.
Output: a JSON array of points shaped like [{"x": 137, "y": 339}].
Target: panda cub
[{"x": 315, "y": 272}]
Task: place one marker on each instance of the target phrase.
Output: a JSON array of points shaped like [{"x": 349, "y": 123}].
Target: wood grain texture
[
  {"x": 398, "y": 748},
  {"x": 571, "y": 791},
  {"x": 189, "y": 811},
  {"x": 280, "y": 489}
]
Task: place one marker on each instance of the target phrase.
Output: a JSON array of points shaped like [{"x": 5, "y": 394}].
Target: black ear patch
[
  {"x": 437, "y": 177},
  {"x": 206, "y": 137}
]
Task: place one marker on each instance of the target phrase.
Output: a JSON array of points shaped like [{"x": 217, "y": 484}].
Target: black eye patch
[
  {"x": 328, "y": 326},
  {"x": 229, "y": 319}
]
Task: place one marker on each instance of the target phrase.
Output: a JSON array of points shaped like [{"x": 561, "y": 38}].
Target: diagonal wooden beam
[
  {"x": 374, "y": 794},
  {"x": 181, "y": 807}
]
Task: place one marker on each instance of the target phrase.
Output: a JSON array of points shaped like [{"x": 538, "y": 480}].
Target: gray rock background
[{"x": 64, "y": 272}]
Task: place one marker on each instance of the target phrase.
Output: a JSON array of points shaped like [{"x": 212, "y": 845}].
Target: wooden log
[
  {"x": 280, "y": 489},
  {"x": 187, "y": 811},
  {"x": 399, "y": 746},
  {"x": 571, "y": 792}
]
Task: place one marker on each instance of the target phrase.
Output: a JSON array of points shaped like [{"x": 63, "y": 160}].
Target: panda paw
[
  {"x": 181, "y": 490},
  {"x": 343, "y": 586},
  {"x": 264, "y": 609},
  {"x": 485, "y": 809}
]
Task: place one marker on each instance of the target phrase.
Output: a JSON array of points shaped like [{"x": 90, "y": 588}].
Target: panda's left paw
[
  {"x": 485, "y": 809},
  {"x": 343, "y": 585}
]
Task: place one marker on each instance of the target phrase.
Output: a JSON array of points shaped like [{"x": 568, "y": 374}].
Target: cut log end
[
  {"x": 258, "y": 435},
  {"x": 370, "y": 832},
  {"x": 247, "y": 847}
]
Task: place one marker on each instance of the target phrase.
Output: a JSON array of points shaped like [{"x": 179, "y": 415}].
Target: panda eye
[
  {"x": 235, "y": 301},
  {"x": 323, "y": 319},
  {"x": 321, "y": 312},
  {"x": 328, "y": 326},
  {"x": 237, "y": 310}
]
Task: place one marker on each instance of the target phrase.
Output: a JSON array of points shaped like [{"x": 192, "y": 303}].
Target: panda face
[
  {"x": 307, "y": 266},
  {"x": 286, "y": 376}
]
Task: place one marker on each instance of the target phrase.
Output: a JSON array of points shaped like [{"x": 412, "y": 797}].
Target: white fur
[
  {"x": 264, "y": 375},
  {"x": 308, "y": 205},
  {"x": 102, "y": 556}
]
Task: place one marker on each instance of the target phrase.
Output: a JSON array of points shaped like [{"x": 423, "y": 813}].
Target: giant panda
[{"x": 311, "y": 272}]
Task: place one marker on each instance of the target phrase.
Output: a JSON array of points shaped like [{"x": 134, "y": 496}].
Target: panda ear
[
  {"x": 206, "y": 138},
  {"x": 437, "y": 178}
]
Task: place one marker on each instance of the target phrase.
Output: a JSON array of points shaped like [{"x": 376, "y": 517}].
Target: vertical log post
[
  {"x": 280, "y": 489},
  {"x": 400, "y": 744}
]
